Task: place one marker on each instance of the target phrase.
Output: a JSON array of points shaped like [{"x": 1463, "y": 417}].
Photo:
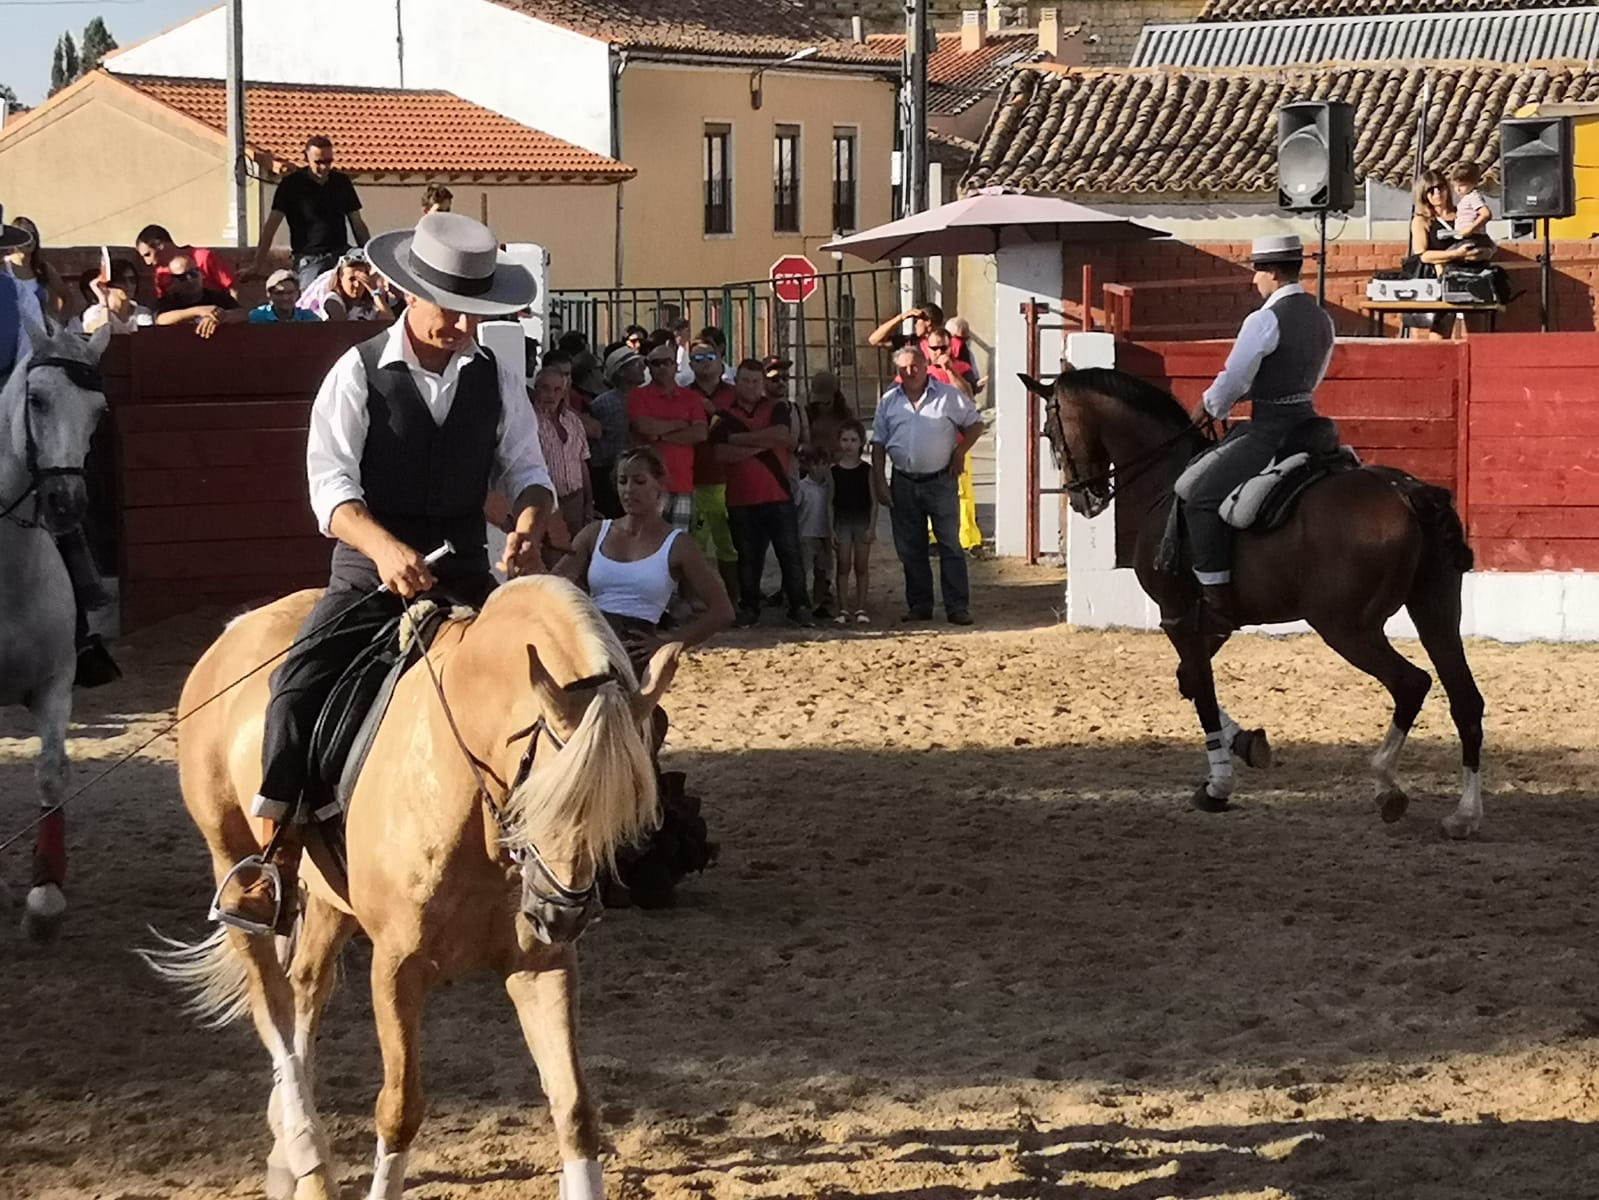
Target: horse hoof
[
  {"x": 1459, "y": 828},
  {"x": 43, "y": 913},
  {"x": 1205, "y": 802},
  {"x": 1392, "y": 803},
  {"x": 1252, "y": 746}
]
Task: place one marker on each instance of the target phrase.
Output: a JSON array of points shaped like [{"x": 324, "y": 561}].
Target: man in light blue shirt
[{"x": 925, "y": 427}]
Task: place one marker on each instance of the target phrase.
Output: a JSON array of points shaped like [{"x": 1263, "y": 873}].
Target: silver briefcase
[{"x": 1423, "y": 291}]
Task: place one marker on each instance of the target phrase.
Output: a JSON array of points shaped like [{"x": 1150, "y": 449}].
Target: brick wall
[{"x": 1181, "y": 290}]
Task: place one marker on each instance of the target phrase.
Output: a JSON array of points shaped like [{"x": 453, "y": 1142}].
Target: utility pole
[
  {"x": 238, "y": 208},
  {"x": 917, "y": 36}
]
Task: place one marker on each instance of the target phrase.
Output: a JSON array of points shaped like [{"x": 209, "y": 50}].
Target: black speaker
[
  {"x": 1316, "y": 156},
  {"x": 1535, "y": 167}
]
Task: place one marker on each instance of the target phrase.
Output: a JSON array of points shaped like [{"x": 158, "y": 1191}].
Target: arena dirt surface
[{"x": 966, "y": 939}]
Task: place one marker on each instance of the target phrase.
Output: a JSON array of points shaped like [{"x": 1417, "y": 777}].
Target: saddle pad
[
  {"x": 1265, "y": 501},
  {"x": 355, "y": 707}
]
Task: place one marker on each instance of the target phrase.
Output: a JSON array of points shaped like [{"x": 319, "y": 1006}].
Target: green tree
[
  {"x": 69, "y": 57},
  {"x": 9, "y": 99},
  {"x": 58, "y": 69},
  {"x": 97, "y": 43}
]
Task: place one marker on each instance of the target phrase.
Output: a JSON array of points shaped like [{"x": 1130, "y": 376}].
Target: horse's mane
[
  {"x": 1137, "y": 394},
  {"x": 601, "y": 785}
]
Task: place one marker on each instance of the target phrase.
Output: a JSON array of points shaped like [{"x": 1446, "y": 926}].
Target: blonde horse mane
[{"x": 601, "y": 784}]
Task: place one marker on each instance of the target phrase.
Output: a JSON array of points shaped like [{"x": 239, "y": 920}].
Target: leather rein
[
  {"x": 84, "y": 376},
  {"x": 1101, "y": 488}
]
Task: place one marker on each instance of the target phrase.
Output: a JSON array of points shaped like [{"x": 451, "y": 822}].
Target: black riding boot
[
  {"x": 95, "y": 667},
  {"x": 1218, "y": 609}
]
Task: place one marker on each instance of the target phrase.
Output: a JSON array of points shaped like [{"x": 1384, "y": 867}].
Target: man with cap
[
  {"x": 623, "y": 371},
  {"x": 1281, "y": 355},
  {"x": 283, "y": 301},
  {"x": 409, "y": 432}
]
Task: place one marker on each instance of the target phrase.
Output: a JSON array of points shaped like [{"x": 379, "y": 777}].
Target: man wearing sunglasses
[
  {"x": 317, "y": 202},
  {"x": 189, "y": 300},
  {"x": 671, "y": 420}
]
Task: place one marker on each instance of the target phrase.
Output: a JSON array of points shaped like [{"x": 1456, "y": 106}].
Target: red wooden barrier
[
  {"x": 1533, "y": 495},
  {"x": 210, "y": 463}
]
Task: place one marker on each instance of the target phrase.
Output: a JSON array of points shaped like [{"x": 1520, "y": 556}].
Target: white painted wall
[
  {"x": 538, "y": 74},
  {"x": 1022, "y": 273}
]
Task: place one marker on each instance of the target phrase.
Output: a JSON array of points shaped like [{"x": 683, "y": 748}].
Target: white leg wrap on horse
[
  {"x": 1220, "y": 754},
  {"x": 1470, "y": 794},
  {"x": 300, "y": 1139},
  {"x": 388, "y": 1174},
  {"x": 582, "y": 1180},
  {"x": 1385, "y": 763},
  {"x": 1230, "y": 729}
]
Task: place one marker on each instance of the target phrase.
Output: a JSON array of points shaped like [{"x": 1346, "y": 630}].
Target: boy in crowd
[{"x": 283, "y": 296}]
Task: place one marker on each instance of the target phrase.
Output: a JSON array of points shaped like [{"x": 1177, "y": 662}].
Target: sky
[{"x": 29, "y": 29}]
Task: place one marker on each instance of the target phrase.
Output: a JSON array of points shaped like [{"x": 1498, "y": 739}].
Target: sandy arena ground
[{"x": 966, "y": 939}]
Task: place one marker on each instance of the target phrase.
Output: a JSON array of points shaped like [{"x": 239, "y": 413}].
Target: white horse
[{"x": 49, "y": 408}]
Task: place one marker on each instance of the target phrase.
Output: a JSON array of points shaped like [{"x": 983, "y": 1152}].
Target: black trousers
[
  {"x": 755, "y": 527},
  {"x": 301, "y": 683}
]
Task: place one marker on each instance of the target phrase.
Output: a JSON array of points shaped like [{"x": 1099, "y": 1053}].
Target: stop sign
[{"x": 793, "y": 278}]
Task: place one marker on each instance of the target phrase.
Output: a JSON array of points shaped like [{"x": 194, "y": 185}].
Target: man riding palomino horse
[
  {"x": 409, "y": 432},
  {"x": 1281, "y": 355}
]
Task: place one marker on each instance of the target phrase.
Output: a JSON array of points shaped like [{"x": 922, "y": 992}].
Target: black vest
[
  {"x": 425, "y": 482},
  {"x": 1304, "y": 336}
]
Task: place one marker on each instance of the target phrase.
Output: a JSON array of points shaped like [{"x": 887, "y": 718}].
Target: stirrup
[{"x": 269, "y": 870}]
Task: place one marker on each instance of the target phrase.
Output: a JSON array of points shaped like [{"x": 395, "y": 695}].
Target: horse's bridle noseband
[{"x": 85, "y": 376}]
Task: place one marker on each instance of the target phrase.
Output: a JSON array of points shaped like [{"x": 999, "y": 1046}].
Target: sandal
[{"x": 861, "y": 618}]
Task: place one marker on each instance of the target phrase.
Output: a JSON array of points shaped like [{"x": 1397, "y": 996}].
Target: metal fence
[{"x": 827, "y": 332}]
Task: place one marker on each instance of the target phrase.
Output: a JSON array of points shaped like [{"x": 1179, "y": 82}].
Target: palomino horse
[
  {"x": 49, "y": 408},
  {"x": 1357, "y": 546},
  {"x": 507, "y": 770}
]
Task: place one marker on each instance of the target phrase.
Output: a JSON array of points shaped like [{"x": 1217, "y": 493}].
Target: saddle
[
  {"x": 1308, "y": 454},
  {"x": 350, "y": 716}
]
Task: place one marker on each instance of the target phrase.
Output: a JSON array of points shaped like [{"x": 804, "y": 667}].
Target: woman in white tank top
[{"x": 631, "y": 566}]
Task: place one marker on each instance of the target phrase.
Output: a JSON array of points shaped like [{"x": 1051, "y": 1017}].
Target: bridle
[
  {"x": 85, "y": 376},
  {"x": 544, "y": 885},
  {"x": 1100, "y": 489}
]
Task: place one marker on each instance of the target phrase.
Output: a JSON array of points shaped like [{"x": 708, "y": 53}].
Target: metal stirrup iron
[{"x": 269, "y": 871}]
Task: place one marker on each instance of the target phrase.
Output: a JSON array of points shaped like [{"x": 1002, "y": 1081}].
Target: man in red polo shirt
[
  {"x": 671, "y": 420},
  {"x": 753, "y": 441},
  {"x": 157, "y": 249},
  {"x": 711, "y": 529}
]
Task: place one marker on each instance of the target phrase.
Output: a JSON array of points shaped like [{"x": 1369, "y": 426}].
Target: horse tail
[
  {"x": 1445, "y": 550},
  {"x": 602, "y": 782},
  {"x": 211, "y": 971}
]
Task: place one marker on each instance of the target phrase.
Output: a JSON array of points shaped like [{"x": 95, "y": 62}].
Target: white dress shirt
[
  {"x": 339, "y": 423},
  {"x": 920, "y": 438},
  {"x": 1257, "y": 337}
]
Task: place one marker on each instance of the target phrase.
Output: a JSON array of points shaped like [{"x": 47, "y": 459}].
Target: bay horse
[
  {"x": 49, "y": 407},
  {"x": 511, "y": 763},
  {"x": 1358, "y": 545}
]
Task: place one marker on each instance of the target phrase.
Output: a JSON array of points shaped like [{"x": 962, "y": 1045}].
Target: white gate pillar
[{"x": 1021, "y": 274}]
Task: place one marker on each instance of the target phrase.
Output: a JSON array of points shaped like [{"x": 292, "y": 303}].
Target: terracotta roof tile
[
  {"x": 384, "y": 130},
  {"x": 956, "y": 80},
  {"x": 1267, "y": 10},
  {"x": 1197, "y": 134},
  {"x": 710, "y": 28}
]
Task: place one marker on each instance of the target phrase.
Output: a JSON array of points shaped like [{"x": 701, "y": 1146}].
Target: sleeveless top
[
  {"x": 852, "y": 491},
  {"x": 1291, "y": 372},
  {"x": 426, "y": 482},
  {"x": 641, "y": 589}
]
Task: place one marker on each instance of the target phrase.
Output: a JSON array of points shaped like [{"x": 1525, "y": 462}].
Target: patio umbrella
[{"x": 988, "y": 220}]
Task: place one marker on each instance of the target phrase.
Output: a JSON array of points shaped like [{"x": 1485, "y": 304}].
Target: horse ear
[
  {"x": 657, "y": 678},
  {"x": 99, "y": 340},
  {"x": 1036, "y": 387},
  {"x": 539, "y": 677},
  {"x": 38, "y": 335}
]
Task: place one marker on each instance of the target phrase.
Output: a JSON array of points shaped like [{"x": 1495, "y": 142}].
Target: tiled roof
[
  {"x": 950, "y": 150},
  {"x": 707, "y": 28},
  {"x": 1540, "y": 35},
  {"x": 384, "y": 130},
  {"x": 1271, "y": 10},
  {"x": 1201, "y": 134},
  {"x": 956, "y": 80}
]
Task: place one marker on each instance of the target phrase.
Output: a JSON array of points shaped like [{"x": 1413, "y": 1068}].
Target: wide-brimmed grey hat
[
  {"x": 454, "y": 262},
  {"x": 12, "y": 236},
  {"x": 1278, "y": 248}
]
